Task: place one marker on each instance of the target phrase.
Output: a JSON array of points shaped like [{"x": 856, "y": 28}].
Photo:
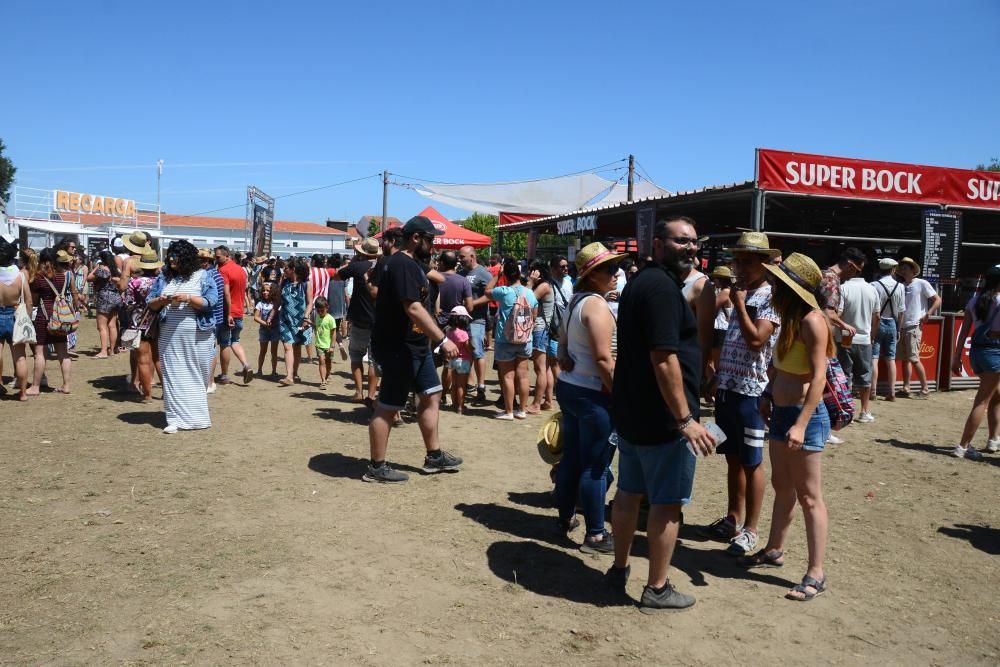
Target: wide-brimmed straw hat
[
  {"x": 550, "y": 440},
  {"x": 149, "y": 260},
  {"x": 136, "y": 242},
  {"x": 722, "y": 272},
  {"x": 205, "y": 253},
  {"x": 912, "y": 262},
  {"x": 63, "y": 257},
  {"x": 370, "y": 247},
  {"x": 801, "y": 274},
  {"x": 591, "y": 256},
  {"x": 755, "y": 243}
]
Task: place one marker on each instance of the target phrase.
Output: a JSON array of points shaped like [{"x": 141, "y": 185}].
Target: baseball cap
[
  {"x": 887, "y": 263},
  {"x": 420, "y": 224}
]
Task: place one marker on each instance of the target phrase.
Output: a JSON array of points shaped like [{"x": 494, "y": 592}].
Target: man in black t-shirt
[
  {"x": 655, "y": 408},
  {"x": 361, "y": 315},
  {"x": 401, "y": 342}
]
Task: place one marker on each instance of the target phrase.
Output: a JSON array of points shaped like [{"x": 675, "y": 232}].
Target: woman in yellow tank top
[{"x": 799, "y": 423}]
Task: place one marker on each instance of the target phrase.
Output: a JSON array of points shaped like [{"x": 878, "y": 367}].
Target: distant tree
[
  {"x": 514, "y": 243},
  {"x": 7, "y": 171},
  {"x": 994, "y": 165},
  {"x": 374, "y": 226}
]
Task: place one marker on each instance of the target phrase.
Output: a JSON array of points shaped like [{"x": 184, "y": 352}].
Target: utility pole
[
  {"x": 385, "y": 200},
  {"x": 159, "y": 173},
  {"x": 631, "y": 176}
]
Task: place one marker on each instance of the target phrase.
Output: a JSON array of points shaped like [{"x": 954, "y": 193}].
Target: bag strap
[
  {"x": 21, "y": 300},
  {"x": 558, "y": 290}
]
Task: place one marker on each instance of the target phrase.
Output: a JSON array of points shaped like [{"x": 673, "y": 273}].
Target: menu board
[
  {"x": 942, "y": 240},
  {"x": 645, "y": 221}
]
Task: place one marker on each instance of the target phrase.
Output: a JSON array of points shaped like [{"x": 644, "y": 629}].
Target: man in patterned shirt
[{"x": 741, "y": 379}]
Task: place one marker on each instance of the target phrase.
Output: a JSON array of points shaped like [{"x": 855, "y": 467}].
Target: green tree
[
  {"x": 994, "y": 165},
  {"x": 7, "y": 171},
  {"x": 514, "y": 243},
  {"x": 374, "y": 226}
]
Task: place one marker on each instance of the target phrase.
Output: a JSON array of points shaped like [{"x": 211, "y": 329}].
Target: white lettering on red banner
[{"x": 846, "y": 177}]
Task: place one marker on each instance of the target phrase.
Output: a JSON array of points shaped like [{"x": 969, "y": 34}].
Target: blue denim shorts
[
  {"x": 540, "y": 341},
  {"x": 817, "y": 431},
  {"x": 884, "y": 346},
  {"x": 477, "y": 336},
  {"x": 739, "y": 418},
  {"x": 7, "y": 324},
  {"x": 229, "y": 336},
  {"x": 985, "y": 359},
  {"x": 663, "y": 473},
  {"x": 506, "y": 352},
  {"x": 269, "y": 334}
]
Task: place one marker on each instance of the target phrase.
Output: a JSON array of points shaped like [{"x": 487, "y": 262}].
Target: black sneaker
[
  {"x": 667, "y": 599},
  {"x": 444, "y": 400},
  {"x": 384, "y": 474},
  {"x": 605, "y": 547},
  {"x": 444, "y": 463},
  {"x": 615, "y": 580},
  {"x": 480, "y": 394}
]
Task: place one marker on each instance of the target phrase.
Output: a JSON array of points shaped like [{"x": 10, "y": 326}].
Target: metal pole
[
  {"x": 159, "y": 173},
  {"x": 631, "y": 176},
  {"x": 385, "y": 200}
]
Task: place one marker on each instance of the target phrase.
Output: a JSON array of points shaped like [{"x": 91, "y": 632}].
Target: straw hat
[
  {"x": 136, "y": 242},
  {"x": 591, "y": 256},
  {"x": 801, "y": 274},
  {"x": 149, "y": 260},
  {"x": 550, "y": 439},
  {"x": 912, "y": 262},
  {"x": 204, "y": 253},
  {"x": 369, "y": 248},
  {"x": 755, "y": 243},
  {"x": 63, "y": 257},
  {"x": 722, "y": 272}
]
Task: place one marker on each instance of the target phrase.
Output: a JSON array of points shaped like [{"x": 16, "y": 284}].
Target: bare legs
[
  {"x": 293, "y": 353},
  {"x": 17, "y": 353},
  {"x": 987, "y": 402},
  {"x": 541, "y": 380},
  {"x": 107, "y": 339},
  {"x": 662, "y": 527},
  {"x": 514, "y": 377},
  {"x": 428, "y": 409}
]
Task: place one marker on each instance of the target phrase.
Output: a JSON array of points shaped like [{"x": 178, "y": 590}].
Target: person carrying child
[
  {"x": 265, "y": 313},
  {"x": 457, "y": 332},
  {"x": 325, "y": 326}
]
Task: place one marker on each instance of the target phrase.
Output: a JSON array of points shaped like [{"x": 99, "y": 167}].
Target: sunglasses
[
  {"x": 609, "y": 267},
  {"x": 683, "y": 241}
]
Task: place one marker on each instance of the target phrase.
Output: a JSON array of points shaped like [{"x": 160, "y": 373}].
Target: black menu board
[
  {"x": 942, "y": 239},
  {"x": 645, "y": 220}
]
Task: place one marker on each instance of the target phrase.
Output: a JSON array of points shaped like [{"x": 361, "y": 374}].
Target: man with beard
[
  {"x": 402, "y": 337},
  {"x": 655, "y": 409}
]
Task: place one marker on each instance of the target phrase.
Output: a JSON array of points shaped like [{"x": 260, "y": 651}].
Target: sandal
[
  {"x": 902, "y": 393},
  {"x": 285, "y": 382},
  {"x": 807, "y": 582},
  {"x": 762, "y": 559},
  {"x": 924, "y": 393}
]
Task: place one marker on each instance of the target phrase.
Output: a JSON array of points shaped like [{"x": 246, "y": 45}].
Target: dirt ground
[{"x": 257, "y": 542}]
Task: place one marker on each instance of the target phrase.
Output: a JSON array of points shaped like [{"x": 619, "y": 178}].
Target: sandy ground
[{"x": 256, "y": 542}]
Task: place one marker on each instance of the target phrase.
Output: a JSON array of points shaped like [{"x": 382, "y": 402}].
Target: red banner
[
  {"x": 512, "y": 218},
  {"x": 846, "y": 177}
]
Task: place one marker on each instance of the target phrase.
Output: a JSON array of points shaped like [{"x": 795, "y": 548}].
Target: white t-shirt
[
  {"x": 890, "y": 290},
  {"x": 858, "y": 302},
  {"x": 918, "y": 292},
  {"x": 741, "y": 370}
]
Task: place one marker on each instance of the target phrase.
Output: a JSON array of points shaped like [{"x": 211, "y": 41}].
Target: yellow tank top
[{"x": 795, "y": 361}]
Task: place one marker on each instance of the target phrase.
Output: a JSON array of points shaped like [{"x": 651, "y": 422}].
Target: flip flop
[
  {"x": 60, "y": 390},
  {"x": 285, "y": 382},
  {"x": 807, "y": 582}
]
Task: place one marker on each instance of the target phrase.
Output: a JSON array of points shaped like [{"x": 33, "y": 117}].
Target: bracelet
[{"x": 684, "y": 423}]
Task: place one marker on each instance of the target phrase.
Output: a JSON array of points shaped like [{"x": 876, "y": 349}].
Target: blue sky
[{"x": 289, "y": 96}]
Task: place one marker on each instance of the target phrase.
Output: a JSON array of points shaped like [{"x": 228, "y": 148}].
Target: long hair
[
  {"x": 985, "y": 295},
  {"x": 792, "y": 310},
  {"x": 30, "y": 260},
  {"x": 108, "y": 260},
  {"x": 543, "y": 270},
  {"x": 301, "y": 268},
  {"x": 187, "y": 259}
]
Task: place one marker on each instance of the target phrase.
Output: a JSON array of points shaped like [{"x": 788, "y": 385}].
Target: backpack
[
  {"x": 519, "y": 324},
  {"x": 837, "y": 396},
  {"x": 63, "y": 320},
  {"x": 559, "y": 306}
]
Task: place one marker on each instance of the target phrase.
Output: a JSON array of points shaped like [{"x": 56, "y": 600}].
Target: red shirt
[{"x": 234, "y": 276}]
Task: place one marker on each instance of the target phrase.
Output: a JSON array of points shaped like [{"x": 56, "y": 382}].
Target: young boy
[{"x": 325, "y": 326}]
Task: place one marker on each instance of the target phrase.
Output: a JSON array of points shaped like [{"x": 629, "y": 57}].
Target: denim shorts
[
  {"x": 739, "y": 418},
  {"x": 817, "y": 431},
  {"x": 540, "y": 341},
  {"x": 403, "y": 371},
  {"x": 460, "y": 366},
  {"x": 506, "y": 352},
  {"x": 663, "y": 473},
  {"x": 269, "y": 334},
  {"x": 984, "y": 356},
  {"x": 477, "y": 336},
  {"x": 229, "y": 336},
  {"x": 7, "y": 324},
  {"x": 884, "y": 346}
]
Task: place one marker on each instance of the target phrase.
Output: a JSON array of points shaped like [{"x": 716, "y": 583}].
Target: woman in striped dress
[{"x": 184, "y": 295}]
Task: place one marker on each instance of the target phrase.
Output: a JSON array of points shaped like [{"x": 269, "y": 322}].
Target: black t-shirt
[
  {"x": 653, "y": 315},
  {"x": 402, "y": 280},
  {"x": 361, "y": 311}
]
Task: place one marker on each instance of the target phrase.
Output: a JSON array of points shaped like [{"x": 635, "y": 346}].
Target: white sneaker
[
  {"x": 866, "y": 418},
  {"x": 211, "y": 388},
  {"x": 970, "y": 453},
  {"x": 743, "y": 544},
  {"x": 834, "y": 440},
  {"x": 172, "y": 428},
  {"x": 993, "y": 446}
]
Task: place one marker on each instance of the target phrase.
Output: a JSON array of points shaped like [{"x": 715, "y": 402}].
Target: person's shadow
[
  {"x": 984, "y": 538},
  {"x": 932, "y": 449},
  {"x": 156, "y": 418},
  {"x": 335, "y": 464},
  {"x": 516, "y": 522}
]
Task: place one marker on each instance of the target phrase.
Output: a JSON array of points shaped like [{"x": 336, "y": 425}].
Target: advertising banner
[
  {"x": 263, "y": 223},
  {"x": 782, "y": 171}
]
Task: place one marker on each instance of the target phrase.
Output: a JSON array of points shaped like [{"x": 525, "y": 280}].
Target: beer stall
[{"x": 947, "y": 219}]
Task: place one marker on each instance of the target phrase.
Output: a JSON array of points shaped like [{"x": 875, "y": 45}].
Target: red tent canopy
[{"x": 455, "y": 236}]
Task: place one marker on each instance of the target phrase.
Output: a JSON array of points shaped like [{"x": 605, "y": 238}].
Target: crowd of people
[{"x": 630, "y": 351}]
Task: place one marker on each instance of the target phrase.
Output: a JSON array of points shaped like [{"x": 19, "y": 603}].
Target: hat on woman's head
[
  {"x": 723, "y": 272},
  {"x": 550, "y": 440},
  {"x": 63, "y": 257},
  {"x": 755, "y": 243},
  {"x": 801, "y": 274},
  {"x": 136, "y": 242},
  {"x": 369, "y": 248},
  {"x": 912, "y": 262},
  {"x": 204, "y": 253},
  {"x": 591, "y": 256},
  {"x": 149, "y": 260}
]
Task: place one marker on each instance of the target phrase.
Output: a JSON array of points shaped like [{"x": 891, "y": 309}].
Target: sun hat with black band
[
  {"x": 149, "y": 260},
  {"x": 912, "y": 262},
  {"x": 591, "y": 256},
  {"x": 755, "y": 243},
  {"x": 369, "y": 248},
  {"x": 722, "y": 272},
  {"x": 549, "y": 443},
  {"x": 801, "y": 274},
  {"x": 421, "y": 224},
  {"x": 136, "y": 242}
]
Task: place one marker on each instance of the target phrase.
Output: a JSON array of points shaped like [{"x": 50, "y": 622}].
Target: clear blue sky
[{"x": 293, "y": 95}]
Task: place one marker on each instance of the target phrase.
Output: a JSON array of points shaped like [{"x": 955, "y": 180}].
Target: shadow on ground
[
  {"x": 932, "y": 449},
  {"x": 335, "y": 464},
  {"x": 156, "y": 418},
  {"x": 984, "y": 538}
]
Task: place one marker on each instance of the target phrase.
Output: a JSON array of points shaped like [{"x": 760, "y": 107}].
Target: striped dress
[{"x": 186, "y": 354}]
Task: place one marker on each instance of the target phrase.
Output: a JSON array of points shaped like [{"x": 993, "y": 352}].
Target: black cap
[{"x": 420, "y": 224}]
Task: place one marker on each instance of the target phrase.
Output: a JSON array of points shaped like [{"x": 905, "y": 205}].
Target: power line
[{"x": 530, "y": 180}]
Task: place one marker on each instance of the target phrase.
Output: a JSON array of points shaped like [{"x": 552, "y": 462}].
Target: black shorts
[
  {"x": 403, "y": 371},
  {"x": 718, "y": 338}
]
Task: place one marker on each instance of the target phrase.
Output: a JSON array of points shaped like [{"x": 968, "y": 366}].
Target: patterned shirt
[
  {"x": 742, "y": 370},
  {"x": 828, "y": 292}
]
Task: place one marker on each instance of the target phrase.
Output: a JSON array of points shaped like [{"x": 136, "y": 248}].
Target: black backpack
[{"x": 559, "y": 305}]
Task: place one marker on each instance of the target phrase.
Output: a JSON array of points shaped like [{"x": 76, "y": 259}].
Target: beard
[
  {"x": 423, "y": 253},
  {"x": 679, "y": 263}
]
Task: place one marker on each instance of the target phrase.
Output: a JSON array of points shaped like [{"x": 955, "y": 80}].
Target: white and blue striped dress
[{"x": 186, "y": 354}]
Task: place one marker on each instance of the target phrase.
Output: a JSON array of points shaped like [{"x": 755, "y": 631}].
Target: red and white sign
[
  {"x": 892, "y": 181},
  {"x": 930, "y": 350}
]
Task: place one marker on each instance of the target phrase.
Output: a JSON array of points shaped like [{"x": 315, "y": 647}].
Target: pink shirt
[{"x": 460, "y": 337}]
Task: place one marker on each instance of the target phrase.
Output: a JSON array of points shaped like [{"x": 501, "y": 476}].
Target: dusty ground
[{"x": 256, "y": 542}]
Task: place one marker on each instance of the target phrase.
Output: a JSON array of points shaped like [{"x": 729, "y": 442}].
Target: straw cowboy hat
[
  {"x": 369, "y": 248},
  {"x": 550, "y": 440},
  {"x": 63, "y": 257},
  {"x": 149, "y": 260},
  {"x": 204, "y": 253},
  {"x": 722, "y": 272},
  {"x": 912, "y": 262},
  {"x": 755, "y": 243},
  {"x": 136, "y": 242},
  {"x": 801, "y": 274},
  {"x": 591, "y": 256}
]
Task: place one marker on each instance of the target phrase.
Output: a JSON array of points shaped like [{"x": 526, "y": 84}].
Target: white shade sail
[{"x": 549, "y": 196}]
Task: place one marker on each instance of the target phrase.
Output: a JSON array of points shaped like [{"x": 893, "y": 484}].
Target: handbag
[
  {"x": 837, "y": 396},
  {"x": 131, "y": 339},
  {"x": 24, "y": 328}
]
